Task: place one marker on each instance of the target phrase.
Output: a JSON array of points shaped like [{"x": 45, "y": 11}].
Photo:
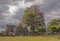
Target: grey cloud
[
  {"x": 3, "y": 8},
  {"x": 29, "y": 0},
  {"x": 6, "y": 1},
  {"x": 47, "y": 8},
  {"x": 19, "y": 14},
  {"x": 50, "y": 5}
]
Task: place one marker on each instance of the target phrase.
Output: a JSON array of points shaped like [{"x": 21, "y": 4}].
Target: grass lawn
[{"x": 31, "y": 38}]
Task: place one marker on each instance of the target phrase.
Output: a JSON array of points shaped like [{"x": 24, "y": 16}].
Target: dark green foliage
[
  {"x": 19, "y": 29},
  {"x": 55, "y": 25}
]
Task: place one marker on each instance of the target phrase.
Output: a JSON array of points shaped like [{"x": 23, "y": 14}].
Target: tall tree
[{"x": 33, "y": 17}]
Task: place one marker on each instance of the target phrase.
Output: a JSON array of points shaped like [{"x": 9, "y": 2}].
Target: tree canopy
[
  {"x": 34, "y": 18},
  {"x": 55, "y": 25}
]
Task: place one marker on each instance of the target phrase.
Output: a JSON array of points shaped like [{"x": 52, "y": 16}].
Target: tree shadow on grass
[{"x": 58, "y": 37}]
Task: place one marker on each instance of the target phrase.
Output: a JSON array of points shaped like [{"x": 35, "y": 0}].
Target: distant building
[{"x": 9, "y": 29}]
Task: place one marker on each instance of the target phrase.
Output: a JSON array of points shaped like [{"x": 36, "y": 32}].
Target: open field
[{"x": 31, "y": 38}]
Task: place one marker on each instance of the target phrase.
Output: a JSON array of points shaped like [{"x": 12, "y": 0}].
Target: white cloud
[
  {"x": 29, "y": 3},
  {"x": 10, "y": 13}
]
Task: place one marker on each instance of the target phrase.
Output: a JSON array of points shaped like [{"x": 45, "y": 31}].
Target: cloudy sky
[{"x": 12, "y": 11}]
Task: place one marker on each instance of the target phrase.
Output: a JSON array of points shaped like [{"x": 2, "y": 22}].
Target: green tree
[
  {"x": 18, "y": 30},
  {"x": 33, "y": 17},
  {"x": 55, "y": 25}
]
